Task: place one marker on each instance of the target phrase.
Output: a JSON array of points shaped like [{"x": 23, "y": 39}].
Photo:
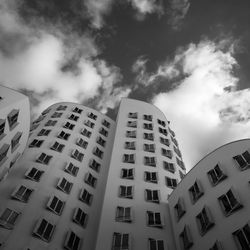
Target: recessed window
[
  {"x": 186, "y": 239},
  {"x": 36, "y": 143},
  {"x": 127, "y": 173},
  {"x": 44, "y": 158},
  {"x": 100, "y": 141},
  {"x": 44, "y": 132},
  {"x": 86, "y": 133},
  {"x": 12, "y": 118},
  {"x": 164, "y": 141},
  {"x": 132, "y": 124},
  {"x": 121, "y": 241},
  {"x": 154, "y": 219},
  {"x": 126, "y": 192},
  {"x": 179, "y": 208},
  {"x": 44, "y": 230},
  {"x": 167, "y": 153},
  {"x": 89, "y": 124},
  {"x": 174, "y": 141},
  {"x": 80, "y": 217},
  {"x": 171, "y": 182},
  {"x": 130, "y": 145},
  {"x": 163, "y": 131},
  {"x": 150, "y": 161},
  {"x": 64, "y": 185},
  {"x": 62, "y": 107},
  {"x": 69, "y": 125},
  {"x": 196, "y": 191},
  {"x": 90, "y": 180},
  {"x": 73, "y": 117},
  {"x": 242, "y": 237},
  {"x": 86, "y": 197},
  {"x": 177, "y": 151},
  {"x": 243, "y": 160},
  {"x": 171, "y": 132},
  {"x": 106, "y": 123},
  {"x": 103, "y": 131},
  {"x": 150, "y": 177},
  {"x": 3, "y": 152},
  {"x": 216, "y": 175},
  {"x": 72, "y": 241},
  {"x": 56, "y": 115},
  {"x": 131, "y": 134},
  {"x": 230, "y": 202},
  {"x": 180, "y": 163},
  {"x": 57, "y": 146},
  {"x": 98, "y": 152},
  {"x": 148, "y": 136},
  {"x": 152, "y": 195},
  {"x": 2, "y": 128},
  {"x": 148, "y": 117},
  {"x": 46, "y": 111},
  {"x": 81, "y": 143},
  {"x": 132, "y": 115},
  {"x": 77, "y": 110},
  {"x": 129, "y": 158},
  {"x": 8, "y": 218},
  {"x": 217, "y": 246},
  {"x": 15, "y": 141},
  {"x": 34, "y": 174},
  {"x": 156, "y": 244},
  {"x": 22, "y": 193},
  {"x": 182, "y": 175},
  {"x": 169, "y": 166},
  {"x": 94, "y": 165},
  {"x": 162, "y": 123},
  {"x": 204, "y": 220},
  {"x": 55, "y": 205},
  {"x": 71, "y": 169},
  {"x": 77, "y": 155},
  {"x": 148, "y": 126},
  {"x": 123, "y": 214},
  {"x": 149, "y": 147},
  {"x": 50, "y": 123},
  {"x": 92, "y": 116}
]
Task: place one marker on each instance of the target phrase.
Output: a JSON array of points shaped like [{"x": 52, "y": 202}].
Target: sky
[{"x": 190, "y": 58}]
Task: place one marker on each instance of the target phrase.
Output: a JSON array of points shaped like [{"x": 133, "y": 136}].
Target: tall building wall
[{"x": 146, "y": 222}]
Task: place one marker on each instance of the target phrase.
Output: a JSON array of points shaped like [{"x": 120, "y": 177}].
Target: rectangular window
[
  {"x": 164, "y": 141},
  {"x": 182, "y": 175},
  {"x": 81, "y": 143},
  {"x": 44, "y": 230},
  {"x": 71, "y": 169},
  {"x": 120, "y": 241},
  {"x": 44, "y": 132},
  {"x": 242, "y": 237},
  {"x": 100, "y": 141},
  {"x": 216, "y": 175},
  {"x": 195, "y": 191},
  {"x": 148, "y": 126},
  {"x": 34, "y": 126},
  {"x": 2, "y": 128},
  {"x": 3, "y": 152},
  {"x": 8, "y": 218},
  {"x": 131, "y": 134},
  {"x": 44, "y": 159},
  {"x": 46, "y": 111},
  {"x": 92, "y": 116},
  {"x": 15, "y": 141},
  {"x": 12, "y": 118},
  {"x": 57, "y": 146},
  {"x": 162, "y": 123},
  {"x": 86, "y": 197},
  {"x": 69, "y": 125},
  {"x": 132, "y": 124},
  {"x": 56, "y": 115},
  {"x": 229, "y": 202},
  {"x": 163, "y": 131},
  {"x": 63, "y": 135},
  {"x": 174, "y": 141},
  {"x": 167, "y": 153},
  {"x": 126, "y": 192},
  {"x": 180, "y": 163},
  {"x": 98, "y": 152},
  {"x": 130, "y": 145},
  {"x": 169, "y": 166},
  {"x": 94, "y": 165},
  {"x": 123, "y": 214},
  {"x": 154, "y": 219},
  {"x": 149, "y": 147},
  {"x": 152, "y": 195},
  {"x": 77, "y": 155},
  {"x": 73, "y": 117},
  {"x": 150, "y": 161},
  {"x": 186, "y": 239},
  {"x": 177, "y": 151},
  {"x": 132, "y": 115},
  {"x": 150, "y": 177},
  {"x": 77, "y": 110},
  {"x": 55, "y": 205},
  {"x": 129, "y": 158},
  {"x": 171, "y": 132},
  {"x": 156, "y": 244},
  {"x": 148, "y": 136},
  {"x": 148, "y": 117},
  {"x": 90, "y": 180},
  {"x": 80, "y": 217},
  {"x": 64, "y": 185},
  {"x": 89, "y": 124},
  {"x": 50, "y": 123},
  {"x": 204, "y": 220},
  {"x": 127, "y": 173},
  {"x": 34, "y": 174},
  {"x": 243, "y": 160},
  {"x": 104, "y": 132},
  {"x": 106, "y": 123},
  {"x": 86, "y": 133},
  {"x": 61, "y": 107},
  {"x": 22, "y": 193},
  {"x": 179, "y": 208},
  {"x": 72, "y": 241},
  {"x": 171, "y": 183}
]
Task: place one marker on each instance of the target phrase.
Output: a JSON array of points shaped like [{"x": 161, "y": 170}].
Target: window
[
  {"x": 177, "y": 151},
  {"x": 100, "y": 141},
  {"x": 89, "y": 124},
  {"x": 44, "y": 132},
  {"x": 132, "y": 124},
  {"x": 77, "y": 110},
  {"x": 8, "y": 218},
  {"x": 148, "y": 117},
  {"x": 126, "y": 192},
  {"x": 129, "y": 158},
  {"x": 34, "y": 174},
  {"x": 106, "y": 123},
  {"x": 169, "y": 166},
  {"x": 216, "y": 246},
  {"x": 170, "y": 182},
  {"x": 164, "y": 141},
  {"x": 166, "y": 153},
  {"x": 90, "y": 180},
  {"x": 127, "y": 173},
  {"x": 94, "y": 165},
  {"x": 69, "y": 125},
  {"x": 174, "y": 141},
  {"x": 12, "y": 118},
  {"x": 71, "y": 169},
  {"x": 216, "y": 175},
  {"x": 44, "y": 159},
  {"x": 132, "y": 115},
  {"x": 179, "y": 208},
  {"x": 103, "y": 131},
  {"x": 86, "y": 133},
  {"x": 148, "y": 126},
  {"x": 204, "y": 220},
  {"x": 34, "y": 126},
  {"x": 44, "y": 230},
  {"x": 61, "y": 107},
  {"x": 243, "y": 160},
  {"x": 149, "y": 147},
  {"x": 22, "y": 193},
  {"x": 50, "y": 123},
  {"x": 73, "y": 117},
  {"x": 156, "y": 244},
  {"x": 3, "y": 152},
  {"x": 86, "y": 197},
  {"x": 72, "y": 241},
  {"x": 154, "y": 219},
  {"x": 171, "y": 132},
  {"x": 57, "y": 146},
  {"x": 130, "y": 145},
  {"x": 150, "y": 161},
  {"x": 186, "y": 239},
  {"x": 64, "y": 185},
  {"x": 182, "y": 175},
  {"x": 80, "y": 142},
  {"x": 229, "y": 202},
  {"x": 2, "y": 127},
  {"x": 123, "y": 214},
  {"x": 98, "y": 152},
  {"x": 56, "y": 115},
  {"x": 120, "y": 241},
  {"x": 196, "y": 191},
  {"x": 92, "y": 116},
  {"x": 242, "y": 237},
  {"x": 15, "y": 141},
  {"x": 46, "y": 111},
  {"x": 180, "y": 163},
  {"x": 77, "y": 155},
  {"x": 152, "y": 195},
  {"x": 80, "y": 217},
  {"x": 55, "y": 205},
  {"x": 162, "y": 123},
  {"x": 40, "y": 118},
  {"x": 63, "y": 135},
  {"x": 36, "y": 143},
  {"x": 150, "y": 177},
  {"x": 163, "y": 131},
  {"x": 148, "y": 136},
  {"x": 131, "y": 134}
]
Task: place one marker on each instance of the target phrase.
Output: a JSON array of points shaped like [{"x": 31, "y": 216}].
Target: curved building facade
[{"x": 210, "y": 208}]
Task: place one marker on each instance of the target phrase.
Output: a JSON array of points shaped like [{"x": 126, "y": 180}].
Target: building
[
  {"x": 210, "y": 208},
  {"x": 14, "y": 128},
  {"x": 87, "y": 182}
]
